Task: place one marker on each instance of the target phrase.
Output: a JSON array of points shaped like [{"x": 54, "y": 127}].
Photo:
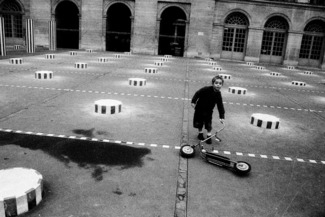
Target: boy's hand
[
  {"x": 222, "y": 121},
  {"x": 193, "y": 105}
]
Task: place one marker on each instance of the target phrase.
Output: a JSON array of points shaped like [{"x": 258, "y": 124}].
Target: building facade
[{"x": 289, "y": 32}]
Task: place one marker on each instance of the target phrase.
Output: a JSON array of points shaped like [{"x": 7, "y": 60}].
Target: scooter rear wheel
[
  {"x": 242, "y": 167},
  {"x": 187, "y": 151}
]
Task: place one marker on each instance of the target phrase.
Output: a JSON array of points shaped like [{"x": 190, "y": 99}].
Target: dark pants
[{"x": 201, "y": 119}]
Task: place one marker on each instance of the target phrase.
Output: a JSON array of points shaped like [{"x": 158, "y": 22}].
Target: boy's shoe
[
  {"x": 209, "y": 141},
  {"x": 200, "y": 136}
]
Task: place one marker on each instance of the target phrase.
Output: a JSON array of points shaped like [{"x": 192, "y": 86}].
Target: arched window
[
  {"x": 273, "y": 42},
  {"x": 312, "y": 40},
  {"x": 12, "y": 13},
  {"x": 234, "y": 36}
]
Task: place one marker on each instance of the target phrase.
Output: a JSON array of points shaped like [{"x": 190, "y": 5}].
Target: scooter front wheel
[
  {"x": 242, "y": 167},
  {"x": 187, "y": 151}
]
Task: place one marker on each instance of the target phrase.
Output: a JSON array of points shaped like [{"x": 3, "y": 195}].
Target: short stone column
[
  {"x": 108, "y": 106},
  {"x": 137, "y": 82},
  {"x": 151, "y": 70},
  {"x": 237, "y": 90},
  {"x": 16, "y": 61},
  {"x": 44, "y": 75},
  {"x": 49, "y": 56},
  {"x": 265, "y": 121},
  {"x": 80, "y": 65}
]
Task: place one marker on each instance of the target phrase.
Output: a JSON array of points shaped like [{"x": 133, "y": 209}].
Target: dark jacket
[{"x": 206, "y": 98}]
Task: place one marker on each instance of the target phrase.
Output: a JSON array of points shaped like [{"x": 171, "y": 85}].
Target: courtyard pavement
[{"x": 128, "y": 163}]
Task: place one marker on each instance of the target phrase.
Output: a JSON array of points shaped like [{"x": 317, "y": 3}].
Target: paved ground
[{"x": 128, "y": 164}]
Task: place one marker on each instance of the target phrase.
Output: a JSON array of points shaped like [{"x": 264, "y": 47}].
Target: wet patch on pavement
[
  {"x": 87, "y": 133},
  {"x": 96, "y": 156}
]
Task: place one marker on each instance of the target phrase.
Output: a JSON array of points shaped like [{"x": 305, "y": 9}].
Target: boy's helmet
[{"x": 217, "y": 77}]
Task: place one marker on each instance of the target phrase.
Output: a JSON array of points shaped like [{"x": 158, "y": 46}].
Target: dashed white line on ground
[{"x": 262, "y": 156}]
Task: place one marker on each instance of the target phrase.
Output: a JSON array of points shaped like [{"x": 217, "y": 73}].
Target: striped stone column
[
  {"x": 52, "y": 35},
  {"x": 3, "y": 51},
  {"x": 30, "y": 45}
]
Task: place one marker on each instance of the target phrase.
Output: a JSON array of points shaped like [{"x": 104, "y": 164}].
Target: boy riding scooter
[{"x": 204, "y": 101}]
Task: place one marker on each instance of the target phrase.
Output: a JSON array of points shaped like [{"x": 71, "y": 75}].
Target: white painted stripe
[
  {"x": 72, "y": 137},
  {"x": 105, "y": 140},
  {"x": 83, "y": 138},
  {"x": 117, "y": 141},
  {"x": 61, "y": 136},
  {"x": 251, "y": 155},
  {"x": 239, "y": 153},
  {"x": 323, "y": 162},
  {"x": 129, "y": 143},
  {"x": 312, "y": 161},
  {"x": 227, "y": 152},
  {"x": 300, "y": 160},
  {"x": 153, "y": 145},
  {"x": 39, "y": 134},
  {"x": 288, "y": 158},
  {"x": 94, "y": 139},
  {"x": 215, "y": 151},
  {"x": 165, "y": 146},
  {"x": 142, "y": 144},
  {"x": 177, "y": 147},
  {"x": 276, "y": 157},
  {"x": 263, "y": 156}
]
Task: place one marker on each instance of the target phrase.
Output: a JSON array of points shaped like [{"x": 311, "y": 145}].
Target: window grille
[
  {"x": 237, "y": 19},
  {"x": 234, "y": 36},
  {"x": 12, "y": 14}
]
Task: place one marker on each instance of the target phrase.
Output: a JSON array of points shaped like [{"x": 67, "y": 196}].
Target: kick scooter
[{"x": 239, "y": 167}]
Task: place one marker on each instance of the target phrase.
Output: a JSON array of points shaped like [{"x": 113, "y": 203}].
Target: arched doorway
[
  {"x": 67, "y": 25},
  {"x": 118, "y": 28},
  {"x": 13, "y": 21},
  {"x": 172, "y": 32},
  {"x": 274, "y": 40},
  {"x": 312, "y": 44},
  {"x": 234, "y": 37}
]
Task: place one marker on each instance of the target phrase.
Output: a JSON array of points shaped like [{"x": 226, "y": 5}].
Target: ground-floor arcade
[{"x": 263, "y": 33}]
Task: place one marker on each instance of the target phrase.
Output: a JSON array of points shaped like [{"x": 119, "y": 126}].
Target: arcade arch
[
  {"x": 118, "y": 28},
  {"x": 172, "y": 31},
  {"x": 67, "y": 25}
]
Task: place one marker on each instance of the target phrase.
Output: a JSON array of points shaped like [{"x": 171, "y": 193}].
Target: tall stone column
[
  {"x": 104, "y": 20},
  {"x": 80, "y": 30},
  {"x": 157, "y": 36},
  {"x": 131, "y": 33},
  {"x": 3, "y": 51},
  {"x": 52, "y": 35},
  {"x": 254, "y": 43},
  {"x": 292, "y": 50},
  {"x": 30, "y": 40}
]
